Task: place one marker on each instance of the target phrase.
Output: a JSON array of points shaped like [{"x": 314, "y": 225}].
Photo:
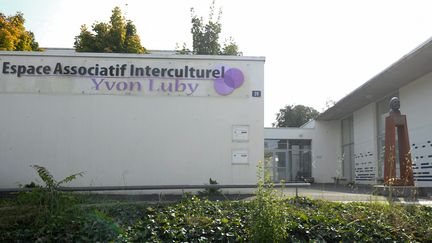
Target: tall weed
[{"x": 267, "y": 222}]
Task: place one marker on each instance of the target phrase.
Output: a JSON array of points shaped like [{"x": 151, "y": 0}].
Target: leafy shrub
[
  {"x": 267, "y": 223},
  {"x": 211, "y": 191},
  {"x": 49, "y": 211},
  {"x": 265, "y": 219},
  {"x": 48, "y": 195},
  {"x": 195, "y": 220},
  {"x": 192, "y": 220}
]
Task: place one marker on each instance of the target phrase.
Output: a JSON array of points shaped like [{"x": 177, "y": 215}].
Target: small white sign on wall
[
  {"x": 240, "y": 133},
  {"x": 240, "y": 157}
]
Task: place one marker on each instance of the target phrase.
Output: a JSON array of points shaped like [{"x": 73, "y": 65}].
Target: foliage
[
  {"x": 47, "y": 213},
  {"x": 192, "y": 220},
  {"x": 48, "y": 196},
  {"x": 14, "y": 36},
  {"x": 119, "y": 35},
  {"x": 195, "y": 220},
  {"x": 268, "y": 218},
  {"x": 48, "y": 179},
  {"x": 294, "y": 116},
  {"x": 205, "y": 37},
  {"x": 211, "y": 191},
  {"x": 267, "y": 223},
  {"x": 230, "y": 48}
]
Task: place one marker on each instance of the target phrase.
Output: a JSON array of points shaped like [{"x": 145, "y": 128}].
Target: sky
[{"x": 316, "y": 51}]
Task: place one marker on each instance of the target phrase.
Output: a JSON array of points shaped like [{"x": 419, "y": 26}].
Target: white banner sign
[{"x": 122, "y": 76}]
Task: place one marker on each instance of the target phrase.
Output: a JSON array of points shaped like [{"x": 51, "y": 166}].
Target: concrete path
[{"x": 344, "y": 193}]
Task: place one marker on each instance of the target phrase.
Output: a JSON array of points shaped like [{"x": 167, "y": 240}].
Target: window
[
  {"x": 275, "y": 143},
  {"x": 347, "y": 148}
]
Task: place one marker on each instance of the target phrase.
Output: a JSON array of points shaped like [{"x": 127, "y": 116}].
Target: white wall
[
  {"x": 288, "y": 133},
  {"x": 416, "y": 103},
  {"x": 326, "y": 150},
  {"x": 309, "y": 124},
  {"x": 365, "y": 144},
  {"x": 325, "y": 146},
  {"x": 127, "y": 139}
]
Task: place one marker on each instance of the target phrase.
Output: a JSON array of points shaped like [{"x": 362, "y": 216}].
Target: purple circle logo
[{"x": 233, "y": 78}]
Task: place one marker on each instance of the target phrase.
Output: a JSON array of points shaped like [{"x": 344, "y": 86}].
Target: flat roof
[
  {"x": 65, "y": 52},
  {"x": 410, "y": 67}
]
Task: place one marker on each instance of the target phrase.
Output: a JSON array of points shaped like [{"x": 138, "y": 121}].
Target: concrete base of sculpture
[{"x": 400, "y": 191}]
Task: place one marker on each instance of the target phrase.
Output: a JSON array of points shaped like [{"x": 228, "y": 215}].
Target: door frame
[{"x": 274, "y": 169}]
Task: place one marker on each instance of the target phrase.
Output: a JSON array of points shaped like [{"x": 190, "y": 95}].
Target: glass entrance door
[
  {"x": 276, "y": 164},
  {"x": 289, "y": 160}
]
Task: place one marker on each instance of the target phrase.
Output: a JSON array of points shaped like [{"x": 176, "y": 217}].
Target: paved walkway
[
  {"x": 344, "y": 193},
  {"x": 330, "y": 192}
]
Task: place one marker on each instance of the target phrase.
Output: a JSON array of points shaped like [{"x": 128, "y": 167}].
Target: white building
[
  {"x": 347, "y": 140},
  {"x": 127, "y": 119}
]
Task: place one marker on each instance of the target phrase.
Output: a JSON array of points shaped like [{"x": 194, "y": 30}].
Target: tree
[
  {"x": 294, "y": 116},
  {"x": 230, "y": 48},
  {"x": 205, "y": 37},
  {"x": 14, "y": 36},
  {"x": 119, "y": 35}
]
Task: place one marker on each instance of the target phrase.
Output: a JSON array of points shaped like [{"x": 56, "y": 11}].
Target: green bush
[
  {"x": 45, "y": 211},
  {"x": 208, "y": 192},
  {"x": 41, "y": 216},
  {"x": 267, "y": 222},
  {"x": 48, "y": 196},
  {"x": 192, "y": 220},
  {"x": 196, "y": 220}
]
